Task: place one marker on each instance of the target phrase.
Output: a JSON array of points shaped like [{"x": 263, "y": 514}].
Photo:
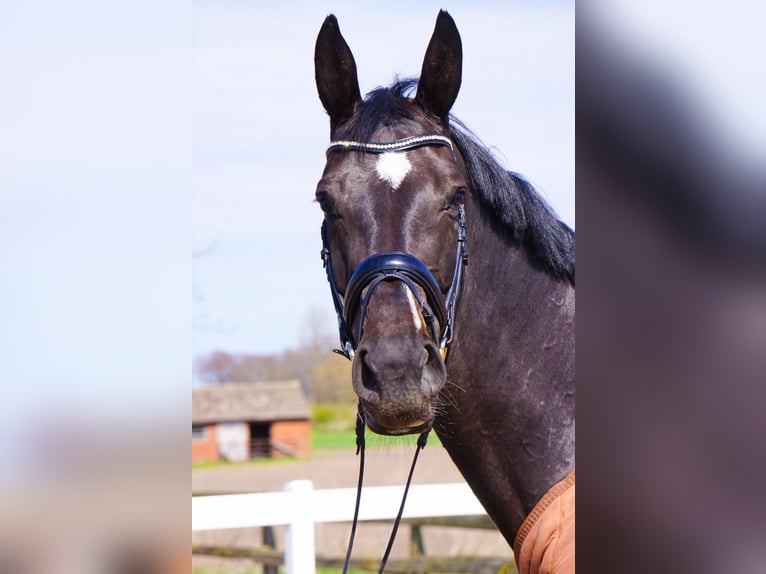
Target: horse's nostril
[
  {"x": 369, "y": 381},
  {"x": 434, "y": 372}
]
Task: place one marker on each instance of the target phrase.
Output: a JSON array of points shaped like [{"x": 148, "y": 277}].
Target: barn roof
[{"x": 255, "y": 402}]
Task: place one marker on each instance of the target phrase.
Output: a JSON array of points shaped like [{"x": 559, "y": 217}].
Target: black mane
[
  {"x": 513, "y": 200},
  {"x": 526, "y": 215},
  {"x": 382, "y": 106}
]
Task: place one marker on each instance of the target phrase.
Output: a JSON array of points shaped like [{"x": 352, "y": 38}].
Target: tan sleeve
[{"x": 546, "y": 541}]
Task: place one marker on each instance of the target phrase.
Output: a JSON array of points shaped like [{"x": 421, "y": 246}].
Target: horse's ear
[
  {"x": 442, "y": 68},
  {"x": 335, "y": 72}
]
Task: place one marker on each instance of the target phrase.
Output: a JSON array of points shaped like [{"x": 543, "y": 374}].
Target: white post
[{"x": 299, "y": 534}]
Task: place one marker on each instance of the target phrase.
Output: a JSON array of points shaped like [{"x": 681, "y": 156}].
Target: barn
[{"x": 240, "y": 421}]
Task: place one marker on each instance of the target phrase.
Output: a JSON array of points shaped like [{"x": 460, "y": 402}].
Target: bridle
[
  {"x": 395, "y": 266},
  {"x": 392, "y": 266}
]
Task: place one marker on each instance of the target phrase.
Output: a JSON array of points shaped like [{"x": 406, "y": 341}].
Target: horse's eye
[
  {"x": 324, "y": 201},
  {"x": 459, "y": 197}
]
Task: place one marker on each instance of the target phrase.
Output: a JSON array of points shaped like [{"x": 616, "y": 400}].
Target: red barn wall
[
  {"x": 295, "y": 434},
  {"x": 205, "y": 448}
]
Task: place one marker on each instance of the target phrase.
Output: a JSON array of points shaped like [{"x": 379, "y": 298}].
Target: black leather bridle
[
  {"x": 392, "y": 266},
  {"x": 395, "y": 266}
]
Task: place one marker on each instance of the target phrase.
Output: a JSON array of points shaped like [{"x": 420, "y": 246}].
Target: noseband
[{"x": 395, "y": 266}]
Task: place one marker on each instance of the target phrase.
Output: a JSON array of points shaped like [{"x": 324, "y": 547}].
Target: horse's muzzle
[{"x": 398, "y": 384}]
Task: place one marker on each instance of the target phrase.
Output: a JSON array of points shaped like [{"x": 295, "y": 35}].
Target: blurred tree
[
  {"x": 331, "y": 380},
  {"x": 324, "y": 375},
  {"x": 218, "y": 367}
]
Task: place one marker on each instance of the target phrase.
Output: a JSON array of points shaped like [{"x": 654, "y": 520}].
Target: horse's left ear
[
  {"x": 442, "y": 68},
  {"x": 335, "y": 71}
]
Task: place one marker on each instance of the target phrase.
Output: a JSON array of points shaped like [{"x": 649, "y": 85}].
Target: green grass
[
  {"x": 332, "y": 440},
  {"x": 251, "y": 462},
  {"x": 327, "y": 416},
  {"x": 333, "y": 429},
  {"x": 345, "y": 439}
]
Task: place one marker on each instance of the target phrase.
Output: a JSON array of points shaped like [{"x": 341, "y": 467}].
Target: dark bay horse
[{"x": 452, "y": 278}]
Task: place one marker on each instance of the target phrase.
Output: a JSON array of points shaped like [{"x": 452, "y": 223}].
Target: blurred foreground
[
  {"x": 672, "y": 288},
  {"x": 92, "y": 500}
]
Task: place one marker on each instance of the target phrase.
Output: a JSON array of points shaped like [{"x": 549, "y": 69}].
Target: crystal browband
[{"x": 395, "y": 146}]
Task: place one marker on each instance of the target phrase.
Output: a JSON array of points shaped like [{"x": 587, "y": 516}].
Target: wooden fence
[{"x": 299, "y": 507}]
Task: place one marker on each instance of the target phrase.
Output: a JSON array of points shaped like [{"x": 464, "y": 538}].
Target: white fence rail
[{"x": 299, "y": 507}]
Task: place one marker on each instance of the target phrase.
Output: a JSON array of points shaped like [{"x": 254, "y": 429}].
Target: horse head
[{"x": 392, "y": 194}]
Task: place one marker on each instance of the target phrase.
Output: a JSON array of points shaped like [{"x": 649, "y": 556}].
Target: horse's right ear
[{"x": 335, "y": 72}]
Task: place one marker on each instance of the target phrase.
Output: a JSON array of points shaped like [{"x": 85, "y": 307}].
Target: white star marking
[{"x": 393, "y": 168}]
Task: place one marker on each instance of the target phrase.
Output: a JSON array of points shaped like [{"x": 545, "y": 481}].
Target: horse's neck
[{"x": 509, "y": 399}]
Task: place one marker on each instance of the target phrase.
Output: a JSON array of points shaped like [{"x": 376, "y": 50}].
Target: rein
[
  {"x": 360, "y": 445},
  {"x": 351, "y": 307}
]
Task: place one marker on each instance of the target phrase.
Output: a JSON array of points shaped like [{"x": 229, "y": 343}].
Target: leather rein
[{"x": 392, "y": 266}]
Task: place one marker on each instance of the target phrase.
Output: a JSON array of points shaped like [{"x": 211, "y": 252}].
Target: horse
[{"x": 453, "y": 281}]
